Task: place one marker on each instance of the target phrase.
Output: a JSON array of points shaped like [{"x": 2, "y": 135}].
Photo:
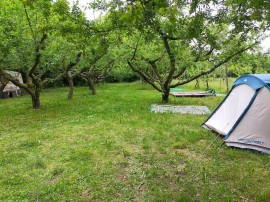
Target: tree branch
[
  {"x": 29, "y": 22},
  {"x": 183, "y": 69},
  {"x": 172, "y": 38},
  {"x": 72, "y": 64},
  {"x": 172, "y": 61},
  {"x": 38, "y": 55},
  {"x": 152, "y": 64},
  {"x": 15, "y": 81},
  {"x": 213, "y": 68},
  {"x": 145, "y": 77},
  {"x": 67, "y": 69},
  {"x": 136, "y": 48}
]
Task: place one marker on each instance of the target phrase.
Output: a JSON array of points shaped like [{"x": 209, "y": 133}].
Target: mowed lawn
[{"x": 110, "y": 147}]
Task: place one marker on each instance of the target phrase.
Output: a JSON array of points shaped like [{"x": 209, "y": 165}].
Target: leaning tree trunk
[
  {"x": 71, "y": 87},
  {"x": 92, "y": 87}
]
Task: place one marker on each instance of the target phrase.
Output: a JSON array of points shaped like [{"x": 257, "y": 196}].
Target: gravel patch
[{"x": 179, "y": 109}]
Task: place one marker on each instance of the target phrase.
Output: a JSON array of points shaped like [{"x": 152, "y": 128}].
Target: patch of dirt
[
  {"x": 86, "y": 192},
  {"x": 52, "y": 181}
]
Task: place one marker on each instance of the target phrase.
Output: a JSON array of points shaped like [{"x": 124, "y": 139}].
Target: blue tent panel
[{"x": 255, "y": 81}]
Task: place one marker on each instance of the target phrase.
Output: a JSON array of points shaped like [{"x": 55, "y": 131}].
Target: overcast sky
[{"x": 91, "y": 14}]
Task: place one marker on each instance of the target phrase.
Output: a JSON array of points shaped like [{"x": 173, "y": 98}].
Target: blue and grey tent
[{"x": 243, "y": 117}]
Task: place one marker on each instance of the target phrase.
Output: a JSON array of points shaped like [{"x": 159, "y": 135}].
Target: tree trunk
[
  {"x": 197, "y": 85},
  {"x": 165, "y": 96},
  {"x": 143, "y": 81},
  {"x": 227, "y": 80},
  {"x": 36, "y": 100},
  {"x": 207, "y": 84},
  {"x": 71, "y": 87},
  {"x": 3, "y": 83},
  {"x": 2, "y": 87},
  {"x": 92, "y": 87}
]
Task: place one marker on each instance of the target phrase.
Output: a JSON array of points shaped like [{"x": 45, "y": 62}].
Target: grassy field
[{"x": 110, "y": 147}]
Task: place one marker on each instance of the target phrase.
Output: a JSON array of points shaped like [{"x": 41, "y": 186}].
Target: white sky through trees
[{"x": 92, "y": 15}]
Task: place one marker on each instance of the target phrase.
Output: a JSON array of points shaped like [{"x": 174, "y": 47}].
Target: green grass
[{"x": 109, "y": 147}]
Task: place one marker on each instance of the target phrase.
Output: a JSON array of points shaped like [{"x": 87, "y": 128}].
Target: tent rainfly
[
  {"x": 10, "y": 90},
  {"x": 243, "y": 116}
]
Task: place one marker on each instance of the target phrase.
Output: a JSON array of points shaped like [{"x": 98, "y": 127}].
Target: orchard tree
[
  {"x": 25, "y": 50},
  {"x": 30, "y": 31},
  {"x": 96, "y": 70},
  {"x": 175, "y": 42},
  {"x": 97, "y": 60},
  {"x": 25, "y": 29},
  {"x": 89, "y": 41},
  {"x": 63, "y": 56}
]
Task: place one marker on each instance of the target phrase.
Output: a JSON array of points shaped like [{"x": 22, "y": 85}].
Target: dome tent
[{"x": 243, "y": 117}]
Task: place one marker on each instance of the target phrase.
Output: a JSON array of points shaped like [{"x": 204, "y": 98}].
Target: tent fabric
[
  {"x": 243, "y": 117},
  {"x": 255, "y": 81},
  {"x": 223, "y": 120},
  {"x": 254, "y": 127},
  {"x": 245, "y": 146}
]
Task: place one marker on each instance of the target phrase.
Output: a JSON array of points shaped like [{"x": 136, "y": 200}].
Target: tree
[
  {"x": 89, "y": 42},
  {"x": 63, "y": 57},
  {"x": 97, "y": 61},
  {"x": 172, "y": 43},
  {"x": 250, "y": 13},
  {"x": 30, "y": 29},
  {"x": 250, "y": 63},
  {"x": 33, "y": 83},
  {"x": 24, "y": 34}
]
